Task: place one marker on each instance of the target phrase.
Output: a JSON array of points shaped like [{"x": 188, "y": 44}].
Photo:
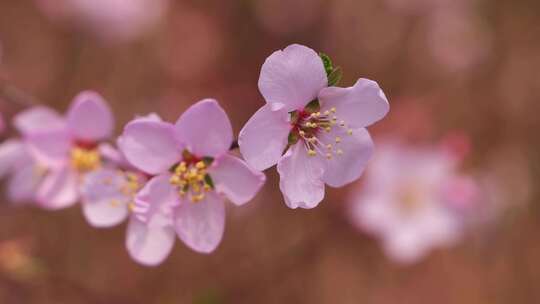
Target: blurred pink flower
[
  {"x": 26, "y": 173},
  {"x": 111, "y": 20},
  {"x": 107, "y": 193},
  {"x": 414, "y": 200},
  {"x": 321, "y": 128},
  {"x": 415, "y": 7},
  {"x": 2, "y": 123},
  {"x": 71, "y": 149},
  {"x": 193, "y": 168},
  {"x": 458, "y": 38}
]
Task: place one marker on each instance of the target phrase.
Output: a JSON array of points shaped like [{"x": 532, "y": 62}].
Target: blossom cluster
[
  {"x": 415, "y": 199},
  {"x": 170, "y": 180}
]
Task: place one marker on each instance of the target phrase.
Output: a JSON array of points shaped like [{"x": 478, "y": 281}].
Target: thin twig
[{"x": 16, "y": 96}]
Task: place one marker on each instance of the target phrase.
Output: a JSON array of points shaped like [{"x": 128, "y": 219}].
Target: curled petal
[
  {"x": 359, "y": 106},
  {"x": 89, "y": 118},
  {"x": 291, "y": 78},
  {"x": 150, "y": 146},
  {"x": 205, "y": 129},
  {"x": 301, "y": 178},
  {"x": 264, "y": 137},
  {"x": 155, "y": 202},
  {"x": 149, "y": 245},
  {"x": 201, "y": 225},
  {"x": 236, "y": 180},
  {"x": 59, "y": 189}
]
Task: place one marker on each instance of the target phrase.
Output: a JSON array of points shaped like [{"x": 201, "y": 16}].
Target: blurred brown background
[{"x": 473, "y": 66}]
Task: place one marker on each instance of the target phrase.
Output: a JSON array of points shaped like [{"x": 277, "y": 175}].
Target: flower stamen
[
  {"x": 192, "y": 180},
  {"x": 84, "y": 160}
]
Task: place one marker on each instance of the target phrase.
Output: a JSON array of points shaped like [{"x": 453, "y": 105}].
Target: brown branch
[{"x": 15, "y": 96}]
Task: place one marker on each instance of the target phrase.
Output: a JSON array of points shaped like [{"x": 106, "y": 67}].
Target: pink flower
[
  {"x": 320, "y": 128},
  {"x": 108, "y": 193},
  {"x": 2, "y": 123},
  {"x": 71, "y": 149},
  {"x": 414, "y": 200},
  {"x": 111, "y": 20},
  {"x": 25, "y": 172},
  {"x": 193, "y": 169}
]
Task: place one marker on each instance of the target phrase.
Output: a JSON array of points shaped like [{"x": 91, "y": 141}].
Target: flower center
[
  {"x": 84, "y": 160},
  {"x": 310, "y": 127},
  {"x": 410, "y": 198},
  {"x": 192, "y": 179}
]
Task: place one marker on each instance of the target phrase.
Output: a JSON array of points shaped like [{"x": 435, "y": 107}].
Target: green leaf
[
  {"x": 208, "y": 160},
  {"x": 334, "y": 77},
  {"x": 294, "y": 117},
  {"x": 328, "y": 67},
  {"x": 313, "y": 106},
  {"x": 209, "y": 181},
  {"x": 293, "y": 138}
]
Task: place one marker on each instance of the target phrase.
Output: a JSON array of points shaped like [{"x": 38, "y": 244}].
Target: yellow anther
[
  {"x": 342, "y": 123},
  {"x": 200, "y": 165},
  {"x": 311, "y": 152},
  {"x": 338, "y": 139},
  {"x": 302, "y": 133},
  {"x": 115, "y": 203},
  {"x": 197, "y": 198},
  {"x": 329, "y": 147},
  {"x": 327, "y": 129},
  {"x": 339, "y": 152},
  {"x": 175, "y": 179},
  {"x": 328, "y": 155},
  {"x": 333, "y": 110},
  {"x": 131, "y": 206},
  {"x": 326, "y": 112},
  {"x": 84, "y": 160},
  {"x": 190, "y": 180},
  {"x": 181, "y": 168},
  {"x": 349, "y": 132}
]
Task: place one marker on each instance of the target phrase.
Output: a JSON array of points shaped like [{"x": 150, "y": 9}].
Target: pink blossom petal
[
  {"x": 111, "y": 154},
  {"x": 359, "y": 106},
  {"x": 38, "y": 118},
  {"x": 10, "y": 152},
  {"x": 60, "y": 189},
  {"x": 264, "y": 137},
  {"x": 50, "y": 148},
  {"x": 236, "y": 180},
  {"x": 90, "y": 118},
  {"x": 349, "y": 166},
  {"x": 201, "y": 225},
  {"x": 150, "y": 146},
  {"x": 205, "y": 129},
  {"x": 301, "y": 178},
  {"x": 24, "y": 183},
  {"x": 155, "y": 202},
  {"x": 149, "y": 245},
  {"x": 405, "y": 247},
  {"x": 104, "y": 202},
  {"x": 292, "y": 78}
]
